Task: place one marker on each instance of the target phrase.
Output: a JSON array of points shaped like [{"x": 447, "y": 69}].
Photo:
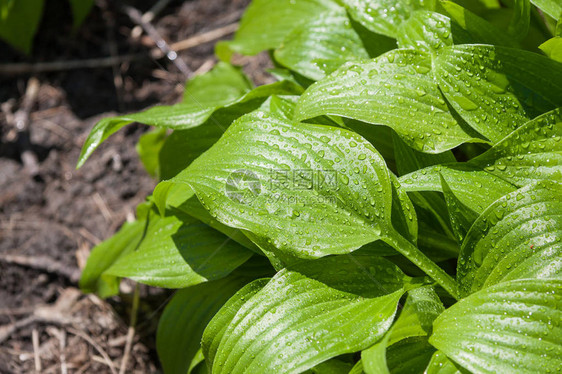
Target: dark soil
[{"x": 49, "y": 221}]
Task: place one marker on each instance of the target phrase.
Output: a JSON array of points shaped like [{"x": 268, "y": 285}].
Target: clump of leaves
[
  {"x": 391, "y": 204},
  {"x": 19, "y": 20}
]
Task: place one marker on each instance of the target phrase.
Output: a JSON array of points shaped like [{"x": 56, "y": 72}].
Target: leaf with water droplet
[
  {"x": 486, "y": 331},
  {"x": 354, "y": 308},
  {"x": 323, "y": 187},
  {"x": 329, "y": 39},
  {"x": 423, "y": 121},
  {"x": 497, "y": 89},
  {"x": 514, "y": 241},
  {"x": 384, "y": 16},
  {"x": 531, "y": 153}
]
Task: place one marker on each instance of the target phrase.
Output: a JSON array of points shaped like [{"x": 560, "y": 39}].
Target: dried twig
[
  {"x": 44, "y": 264},
  {"x": 45, "y": 67},
  {"x": 98, "y": 348},
  {"x": 136, "y": 16},
  {"x": 130, "y": 331},
  {"x": 21, "y": 123},
  {"x": 149, "y": 16},
  {"x": 35, "y": 342},
  {"x": 205, "y": 37}
]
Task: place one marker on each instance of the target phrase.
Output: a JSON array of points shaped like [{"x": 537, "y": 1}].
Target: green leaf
[
  {"x": 181, "y": 116},
  {"x": 194, "y": 208},
  {"x": 214, "y": 332},
  {"x": 179, "y": 251},
  {"x": 427, "y": 31},
  {"x": 184, "y": 146},
  {"x": 510, "y": 327},
  {"x": 267, "y": 22},
  {"x": 19, "y": 21},
  {"x": 464, "y": 21},
  {"x": 553, "y": 48},
  {"x": 306, "y": 315},
  {"x": 415, "y": 320},
  {"x": 329, "y": 39},
  {"x": 531, "y": 153},
  {"x": 474, "y": 187},
  {"x": 440, "y": 364},
  {"x": 385, "y": 16},
  {"x": 519, "y": 236},
  {"x": 105, "y": 254},
  {"x": 300, "y": 195},
  {"x": 395, "y": 90},
  {"x": 220, "y": 86},
  {"x": 333, "y": 366},
  {"x": 519, "y": 24},
  {"x": 551, "y": 7},
  {"x": 80, "y": 10},
  {"x": 148, "y": 147},
  {"x": 357, "y": 368},
  {"x": 497, "y": 89},
  {"x": 460, "y": 215},
  {"x": 181, "y": 325},
  {"x": 409, "y": 356}
]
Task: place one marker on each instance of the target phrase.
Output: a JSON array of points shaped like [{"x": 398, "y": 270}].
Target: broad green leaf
[
  {"x": 181, "y": 116},
  {"x": 80, "y": 10},
  {"x": 519, "y": 236},
  {"x": 148, "y": 147},
  {"x": 105, "y": 254},
  {"x": 395, "y": 90},
  {"x": 531, "y": 153},
  {"x": 404, "y": 218},
  {"x": 415, "y": 320},
  {"x": 553, "y": 48},
  {"x": 519, "y": 24},
  {"x": 464, "y": 21},
  {"x": 440, "y": 364},
  {"x": 194, "y": 208},
  {"x": 308, "y": 190},
  {"x": 306, "y": 315},
  {"x": 474, "y": 187},
  {"x": 385, "y": 16},
  {"x": 181, "y": 325},
  {"x": 19, "y": 21},
  {"x": 184, "y": 146},
  {"x": 179, "y": 251},
  {"x": 428, "y": 31},
  {"x": 214, "y": 332},
  {"x": 329, "y": 39},
  {"x": 497, "y": 89},
  {"x": 266, "y": 23},
  {"x": 512, "y": 327},
  {"x": 551, "y": 7},
  {"x": 409, "y": 356},
  {"x": 431, "y": 31},
  {"x": 357, "y": 368},
  {"x": 461, "y": 216},
  {"x": 333, "y": 366},
  {"x": 219, "y": 86}
]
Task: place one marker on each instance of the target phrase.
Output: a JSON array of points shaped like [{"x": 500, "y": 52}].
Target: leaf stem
[{"x": 418, "y": 258}]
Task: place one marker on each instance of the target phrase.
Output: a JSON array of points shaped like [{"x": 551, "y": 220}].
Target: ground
[{"x": 50, "y": 219}]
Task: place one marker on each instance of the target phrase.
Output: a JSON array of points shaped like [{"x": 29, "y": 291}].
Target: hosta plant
[{"x": 392, "y": 203}]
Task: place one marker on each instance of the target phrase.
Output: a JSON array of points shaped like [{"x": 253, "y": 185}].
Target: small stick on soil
[
  {"x": 205, "y": 37},
  {"x": 101, "y": 351},
  {"x": 21, "y": 122},
  {"x": 149, "y": 16},
  {"x": 136, "y": 16},
  {"x": 92, "y": 63},
  {"x": 35, "y": 341},
  {"x": 130, "y": 331},
  {"x": 43, "y": 263}
]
